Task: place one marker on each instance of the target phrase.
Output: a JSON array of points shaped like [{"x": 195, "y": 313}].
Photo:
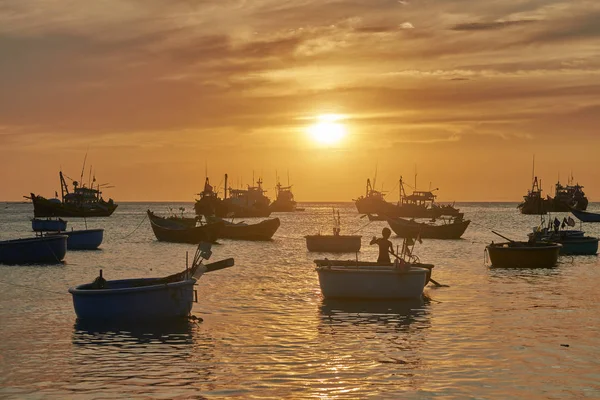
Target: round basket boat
[{"x": 523, "y": 254}]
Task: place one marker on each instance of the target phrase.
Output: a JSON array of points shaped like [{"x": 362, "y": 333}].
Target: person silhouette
[{"x": 385, "y": 246}]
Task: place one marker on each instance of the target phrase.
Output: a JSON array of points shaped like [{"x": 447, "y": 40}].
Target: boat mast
[{"x": 225, "y": 189}]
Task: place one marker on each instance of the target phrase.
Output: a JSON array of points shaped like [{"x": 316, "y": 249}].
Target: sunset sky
[{"x": 464, "y": 91}]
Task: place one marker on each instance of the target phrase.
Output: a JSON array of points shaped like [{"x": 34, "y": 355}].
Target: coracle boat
[
  {"x": 359, "y": 263},
  {"x": 585, "y": 216},
  {"x": 374, "y": 282},
  {"x": 450, "y": 229},
  {"x": 48, "y": 224},
  {"x": 82, "y": 202},
  {"x": 35, "y": 250},
  {"x": 167, "y": 230},
  {"x": 143, "y": 299},
  {"x": 84, "y": 239},
  {"x": 523, "y": 254},
  {"x": 335, "y": 243},
  {"x": 263, "y": 230},
  {"x": 573, "y": 241}
]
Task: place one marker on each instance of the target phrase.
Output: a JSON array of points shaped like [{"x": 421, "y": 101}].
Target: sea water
[{"x": 268, "y": 333}]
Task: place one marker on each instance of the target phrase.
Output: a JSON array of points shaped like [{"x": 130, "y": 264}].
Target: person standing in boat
[{"x": 385, "y": 246}]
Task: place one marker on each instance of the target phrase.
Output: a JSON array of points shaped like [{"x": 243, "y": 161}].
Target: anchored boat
[
  {"x": 335, "y": 243},
  {"x": 263, "y": 230},
  {"x": 523, "y": 254},
  {"x": 168, "y": 230},
  {"x": 146, "y": 298},
  {"x": 452, "y": 228},
  {"x": 35, "y": 250}
]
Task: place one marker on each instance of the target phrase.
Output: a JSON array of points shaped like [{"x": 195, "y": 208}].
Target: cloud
[{"x": 494, "y": 25}]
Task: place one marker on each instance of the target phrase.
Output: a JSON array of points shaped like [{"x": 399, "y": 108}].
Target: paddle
[
  {"x": 215, "y": 266},
  {"x": 436, "y": 283},
  {"x": 503, "y": 237}
]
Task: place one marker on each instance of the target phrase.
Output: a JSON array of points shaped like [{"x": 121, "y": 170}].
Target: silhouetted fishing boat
[
  {"x": 448, "y": 229},
  {"x": 209, "y": 202},
  {"x": 35, "y": 250},
  {"x": 81, "y": 202},
  {"x": 335, "y": 243},
  {"x": 419, "y": 204},
  {"x": 167, "y": 230},
  {"x": 523, "y": 254},
  {"x": 567, "y": 198},
  {"x": 585, "y": 216},
  {"x": 573, "y": 241},
  {"x": 145, "y": 298},
  {"x": 284, "y": 198},
  {"x": 263, "y": 230}
]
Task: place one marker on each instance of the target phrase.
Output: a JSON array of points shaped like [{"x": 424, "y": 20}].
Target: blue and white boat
[
  {"x": 574, "y": 242},
  {"x": 143, "y": 299},
  {"x": 35, "y": 250}
]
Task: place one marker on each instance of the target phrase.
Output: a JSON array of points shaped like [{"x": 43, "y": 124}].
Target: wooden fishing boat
[
  {"x": 335, "y": 243},
  {"x": 585, "y": 216},
  {"x": 523, "y": 254},
  {"x": 376, "y": 282},
  {"x": 263, "y": 230},
  {"x": 142, "y": 299},
  {"x": 35, "y": 250},
  {"x": 167, "y": 230},
  {"x": 81, "y": 202},
  {"x": 449, "y": 229},
  {"x": 284, "y": 198},
  {"x": 48, "y": 224}
]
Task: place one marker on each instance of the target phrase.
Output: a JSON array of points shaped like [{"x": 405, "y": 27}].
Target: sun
[{"x": 327, "y": 130}]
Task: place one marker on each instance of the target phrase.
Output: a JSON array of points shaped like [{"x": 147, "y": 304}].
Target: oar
[
  {"x": 503, "y": 237},
  {"x": 199, "y": 270},
  {"x": 436, "y": 283}
]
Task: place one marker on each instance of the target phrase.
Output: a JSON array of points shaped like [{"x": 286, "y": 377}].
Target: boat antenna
[
  {"x": 90, "y": 178},
  {"x": 288, "y": 174},
  {"x": 83, "y": 168},
  {"x": 533, "y": 169},
  {"x": 375, "y": 177}
]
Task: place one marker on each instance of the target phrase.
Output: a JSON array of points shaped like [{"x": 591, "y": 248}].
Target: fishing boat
[
  {"x": 81, "y": 202},
  {"x": 567, "y": 197},
  {"x": 35, "y": 250},
  {"x": 145, "y": 299},
  {"x": 534, "y": 203},
  {"x": 247, "y": 203},
  {"x": 48, "y": 224},
  {"x": 168, "y": 230},
  {"x": 209, "y": 202},
  {"x": 335, "y": 243},
  {"x": 284, "y": 198},
  {"x": 263, "y": 230},
  {"x": 573, "y": 241},
  {"x": 373, "y": 282},
  {"x": 523, "y": 254},
  {"x": 452, "y": 228},
  {"x": 585, "y": 216},
  {"x": 419, "y": 204}
]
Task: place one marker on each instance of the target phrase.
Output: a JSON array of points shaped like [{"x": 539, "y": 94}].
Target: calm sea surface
[{"x": 267, "y": 332}]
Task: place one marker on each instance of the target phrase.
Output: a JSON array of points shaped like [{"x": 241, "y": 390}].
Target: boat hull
[
  {"x": 45, "y": 208},
  {"x": 411, "y": 229},
  {"x": 579, "y": 246},
  {"x": 585, "y": 216},
  {"x": 260, "y": 231},
  {"x": 169, "y": 231},
  {"x": 357, "y": 263},
  {"x": 88, "y": 239},
  {"x": 333, "y": 243},
  {"x": 37, "y": 250},
  {"x": 133, "y": 299},
  {"x": 523, "y": 255},
  {"x": 372, "y": 283},
  {"x": 383, "y": 208}
]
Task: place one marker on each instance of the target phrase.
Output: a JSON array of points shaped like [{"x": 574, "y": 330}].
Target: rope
[
  {"x": 136, "y": 228},
  {"x": 362, "y": 227},
  {"x": 32, "y": 287}
]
